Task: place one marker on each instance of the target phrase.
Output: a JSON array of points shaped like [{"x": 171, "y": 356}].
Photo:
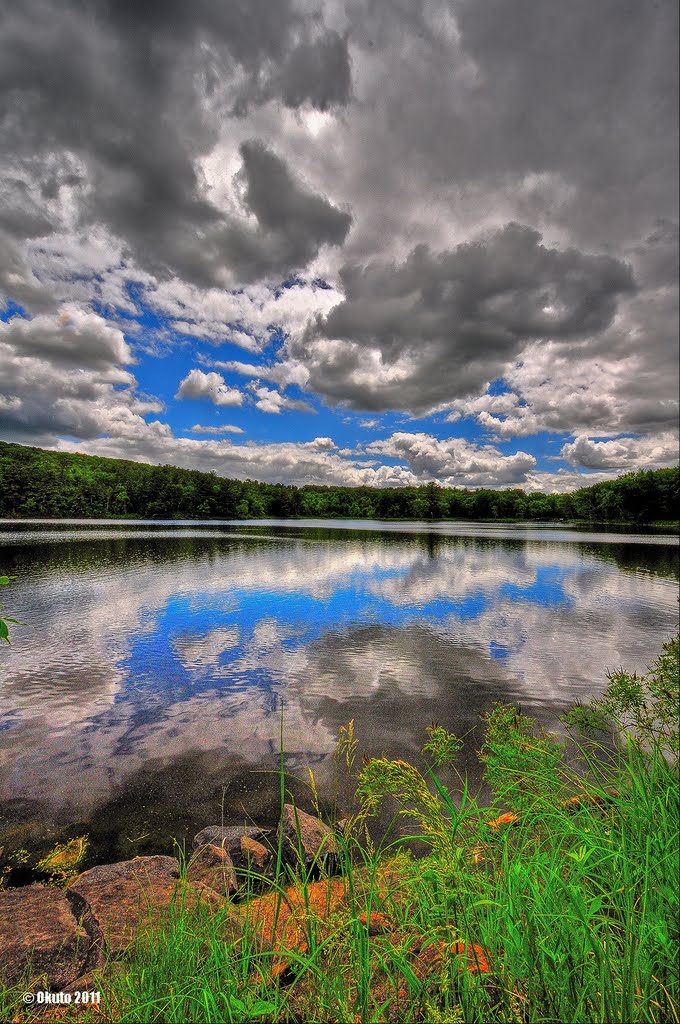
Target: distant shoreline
[{"x": 656, "y": 526}]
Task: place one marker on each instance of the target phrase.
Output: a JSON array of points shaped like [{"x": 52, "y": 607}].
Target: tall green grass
[{"x": 572, "y": 901}]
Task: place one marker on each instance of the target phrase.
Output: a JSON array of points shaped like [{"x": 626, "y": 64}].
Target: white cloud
[
  {"x": 455, "y": 462},
  {"x": 211, "y": 386},
  {"x": 622, "y": 452},
  {"x": 267, "y": 400},
  {"x": 211, "y": 313},
  {"x": 225, "y": 428},
  {"x": 61, "y": 375}
]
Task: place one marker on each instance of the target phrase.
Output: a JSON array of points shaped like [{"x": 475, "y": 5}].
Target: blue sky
[{"x": 360, "y": 247}]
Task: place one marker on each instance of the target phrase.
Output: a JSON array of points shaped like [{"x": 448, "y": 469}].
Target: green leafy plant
[
  {"x": 4, "y": 628},
  {"x": 520, "y": 762},
  {"x": 641, "y": 709}
]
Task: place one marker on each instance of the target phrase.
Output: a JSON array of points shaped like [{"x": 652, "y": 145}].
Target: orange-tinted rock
[
  {"x": 474, "y": 957},
  {"x": 377, "y": 924},
  {"x": 213, "y": 866},
  {"x": 504, "y": 819},
  {"x": 121, "y": 899},
  {"x": 434, "y": 954},
  {"x": 255, "y": 854},
  {"x": 283, "y": 919},
  {"x": 583, "y": 799},
  {"x": 305, "y": 835},
  {"x": 38, "y": 930}
]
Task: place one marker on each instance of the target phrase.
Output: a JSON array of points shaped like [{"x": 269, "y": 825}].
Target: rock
[
  {"x": 120, "y": 899},
  {"x": 377, "y": 924},
  {"x": 213, "y": 866},
  {"x": 39, "y": 932},
  {"x": 229, "y": 838},
  {"x": 256, "y": 855},
  {"x": 303, "y": 833},
  {"x": 509, "y": 818},
  {"x": 433, "y": 954},
  {"x": 282, "y": 919}
]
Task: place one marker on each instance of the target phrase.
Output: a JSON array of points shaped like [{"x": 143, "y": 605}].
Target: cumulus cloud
[
  {"x": 567, "y": 390},
  {"x": 268, "y": 400},
  {"x": 211, "y": 386},
  {"x": 225, "y": 428},
  {"x": 72, "y": 338},
  {"x": 420, "y": 333},
  {"x": 622, "y": 452},
  {"x": 316, "y": 461},
  {"x": 454, "y": 462},
  {"x": 62, "y": 375}
]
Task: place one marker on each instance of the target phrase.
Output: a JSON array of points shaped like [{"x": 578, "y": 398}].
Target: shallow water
[{"x": 163, "y": 664}]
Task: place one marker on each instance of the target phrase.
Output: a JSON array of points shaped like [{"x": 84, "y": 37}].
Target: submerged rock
[{"x": 40, "y": 935}]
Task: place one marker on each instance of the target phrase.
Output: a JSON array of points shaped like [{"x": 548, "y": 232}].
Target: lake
[{"x": 163, "y": 664}]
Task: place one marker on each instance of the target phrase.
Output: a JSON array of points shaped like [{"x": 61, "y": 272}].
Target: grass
[{"x": 557, "y": 902}]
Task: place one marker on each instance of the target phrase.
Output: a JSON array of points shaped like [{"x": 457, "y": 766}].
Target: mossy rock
[{"x": 61, "y": 864}]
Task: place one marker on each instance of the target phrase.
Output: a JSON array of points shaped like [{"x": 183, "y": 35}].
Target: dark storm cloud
[
  {"x": 207, "y": 150},
  {"x": 317, "y": 72},
  {"x": 569, "y": 79},
  {"x": 440, "y": 324},
  {"x": 292, "y": 219},
  {"x": 292, "y": 225},
  {"x": 133, "y": 92},
  {"x": 483, "y": 95}
]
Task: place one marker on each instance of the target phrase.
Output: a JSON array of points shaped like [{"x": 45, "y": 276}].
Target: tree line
[{"x": 39, "y": 483}]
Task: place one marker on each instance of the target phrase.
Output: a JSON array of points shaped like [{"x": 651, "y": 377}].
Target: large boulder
[
  {"x": 121, "y": 899},
  {"x": 40, "y": 937},
  {"x": 306, "y": 837}
]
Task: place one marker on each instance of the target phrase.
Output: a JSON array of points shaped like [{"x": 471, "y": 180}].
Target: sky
[{"x": 358, "y": 242}]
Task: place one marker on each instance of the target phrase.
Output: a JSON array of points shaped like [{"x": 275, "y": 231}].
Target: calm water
[{"x": 146, "y": 695}]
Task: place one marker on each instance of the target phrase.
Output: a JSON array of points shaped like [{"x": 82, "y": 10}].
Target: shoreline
[{"x": 559, "y": 877}]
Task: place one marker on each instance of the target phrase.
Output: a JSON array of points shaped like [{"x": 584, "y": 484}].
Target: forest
[{"x": 47, "y": 484}]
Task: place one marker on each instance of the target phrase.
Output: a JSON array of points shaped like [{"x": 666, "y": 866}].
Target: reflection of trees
[
  {"x": 391, "y": 680},
  {"x": 76, "y": 554},
  {"x": 653, "y": 559}
]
